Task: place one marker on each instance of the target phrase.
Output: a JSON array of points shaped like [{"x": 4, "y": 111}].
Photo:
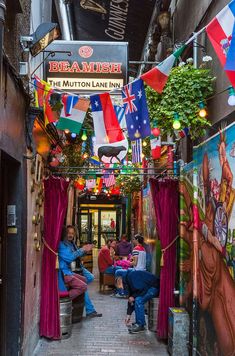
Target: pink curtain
[
  {"x": 55, "y": 206},
  {"x": 165, "y": 198}
]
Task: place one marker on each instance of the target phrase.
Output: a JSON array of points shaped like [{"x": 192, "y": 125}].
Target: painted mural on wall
[
  {"x": 149, "y": 218},
  {"x": 207, "y": 230}
]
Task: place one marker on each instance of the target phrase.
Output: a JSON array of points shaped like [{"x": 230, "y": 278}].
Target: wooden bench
[{"x": 106, "y": 280}]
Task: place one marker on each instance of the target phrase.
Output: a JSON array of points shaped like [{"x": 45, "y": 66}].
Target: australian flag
[{"x": 136, "y": 110}]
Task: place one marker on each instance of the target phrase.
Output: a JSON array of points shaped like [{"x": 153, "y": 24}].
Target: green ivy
[{"x": 185, "y": 88}]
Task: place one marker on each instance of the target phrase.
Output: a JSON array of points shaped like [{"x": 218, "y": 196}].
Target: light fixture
[
  {"x": 202, "y": 112},
  {"x": 85, "y": 156},
  {"x": 73, "y": 135},
  {"x": 231, "y": 98},
  {"x": 84, "y": 135},
  {"x": 41, "y": 38},
  {"x": 66, "y": 131},
  {"x": 129, "y": 150},
  {"x": 144, "y": 143},
  {"x": 176, "y": 122}
]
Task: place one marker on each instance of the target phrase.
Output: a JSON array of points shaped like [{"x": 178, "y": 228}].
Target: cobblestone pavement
[{"x": 103, "y": 336}]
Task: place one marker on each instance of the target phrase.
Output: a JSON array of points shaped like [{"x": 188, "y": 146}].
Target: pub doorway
[{"x": 98, "y": 224}]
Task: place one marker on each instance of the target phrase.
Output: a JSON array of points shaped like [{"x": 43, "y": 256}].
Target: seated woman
[{"x": 137, "y": 262}]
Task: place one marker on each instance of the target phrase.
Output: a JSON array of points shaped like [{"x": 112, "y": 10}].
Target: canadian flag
[{"x": 155, "y": 143}]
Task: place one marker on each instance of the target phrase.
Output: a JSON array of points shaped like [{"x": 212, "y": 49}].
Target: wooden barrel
[
  {"x": 152, "y": 314},
  {"x": 78, "y": 306},
  {"x": 87, "y": 261},
  {"x": 65, "y": 317}
]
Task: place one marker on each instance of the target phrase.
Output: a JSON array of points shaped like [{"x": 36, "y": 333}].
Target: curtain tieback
[
  {"x": 163, "y": 250},
  {"x": 55, "y": 253}
]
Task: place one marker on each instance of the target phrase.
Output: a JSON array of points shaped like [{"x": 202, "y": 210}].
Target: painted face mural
[{"x": 208, "y": 264}]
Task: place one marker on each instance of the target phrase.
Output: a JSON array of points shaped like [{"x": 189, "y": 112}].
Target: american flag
[
  {"x": 109, "y": 179},
  {"x": 136, "y": 147}
]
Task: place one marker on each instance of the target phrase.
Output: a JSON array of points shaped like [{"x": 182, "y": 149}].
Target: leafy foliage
[
  {"x": 185, "y": 88},
  {"x": 129, "y": 183}
]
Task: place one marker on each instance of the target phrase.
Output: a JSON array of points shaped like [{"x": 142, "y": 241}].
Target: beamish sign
[{"x": 86, "y": 67}]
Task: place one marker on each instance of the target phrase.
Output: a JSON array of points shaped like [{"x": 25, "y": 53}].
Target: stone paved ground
[{"x": 103, "y": 336}]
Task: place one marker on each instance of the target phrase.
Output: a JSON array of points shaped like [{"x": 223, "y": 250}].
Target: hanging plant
[
  {"x": 129, "y": 183},
  {"x": 185, "y": 89}
]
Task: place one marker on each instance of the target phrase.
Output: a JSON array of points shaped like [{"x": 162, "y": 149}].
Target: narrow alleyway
[{"x": 103, "y": 336}]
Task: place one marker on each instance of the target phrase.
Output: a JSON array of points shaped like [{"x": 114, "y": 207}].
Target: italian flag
[
  {"x": 72, "y": 118},
  {"x": 155, "y": 143},
  {"x": 157, "y": 77}
]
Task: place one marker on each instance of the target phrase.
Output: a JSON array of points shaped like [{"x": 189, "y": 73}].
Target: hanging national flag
[
  {"x": 39, "y": 86},
  {"x": 157, "y": 77},
  {"x": 120, "y": 113},
  {"x": 136, "y": 110},
  {"x": 73, "y": 113},
  {"x": 221, "y": 32},
  {"x": 136, "y": 147},
  {"x": 94, "y": 160},
  {"x": 50, "y": 115},
  {"x": 184, "y": 132},
  {"x": 155, "y": 143},
  {"x": 110, "y": 143},
  {"x": 109, "y": 179},
  {"x": 106, "y": 125},
  {"x": 99, "y": 184}
]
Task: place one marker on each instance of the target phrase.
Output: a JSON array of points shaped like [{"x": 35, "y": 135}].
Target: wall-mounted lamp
[{"x": 41, "y": 38}]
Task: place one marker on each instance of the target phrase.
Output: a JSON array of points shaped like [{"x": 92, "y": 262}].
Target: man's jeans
[
  {"x": 139, "y": 305},
  {"x": 112, "y": 269},
  {"x": 88, "y": 303}
]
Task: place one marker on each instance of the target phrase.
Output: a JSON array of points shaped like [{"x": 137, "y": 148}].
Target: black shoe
[
  {"x": 136, "y": 329},
  {"x": 94, "y": 314}
]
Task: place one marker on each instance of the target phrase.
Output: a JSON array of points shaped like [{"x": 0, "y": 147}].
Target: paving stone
[{"x": 106, "y": 336}]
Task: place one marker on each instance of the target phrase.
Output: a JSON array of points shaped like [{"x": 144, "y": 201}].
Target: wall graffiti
[{"x": 207, "y": 254}]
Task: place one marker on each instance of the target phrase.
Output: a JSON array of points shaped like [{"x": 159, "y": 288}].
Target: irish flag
[
  {"x": 157, "y": 77},
  {"x": 155, "y": 143},
  {"x": 73, "y": 113}
]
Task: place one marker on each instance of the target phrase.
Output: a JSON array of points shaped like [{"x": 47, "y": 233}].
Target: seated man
[
  {"x": 106, "y": 258},
  {"x": 142, "y": 286},
  {"x": 124, "y": 247},
  {"x": 77, "y": 284}
]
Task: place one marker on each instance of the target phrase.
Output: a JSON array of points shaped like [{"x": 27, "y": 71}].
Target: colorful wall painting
[{"x": 207, "y": 255}]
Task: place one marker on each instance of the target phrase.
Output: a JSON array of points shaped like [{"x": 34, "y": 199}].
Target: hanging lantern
[
  {"x": 231, "y": 98},
  {"x": 176, "y": 121},
  {"x": 202, "y": 112},
  {"x": 84, "y": 135}
]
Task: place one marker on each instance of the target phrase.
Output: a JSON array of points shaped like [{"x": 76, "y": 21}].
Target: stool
[
  {"x": 106, "y": 280},
  {"x": 65, "y": 316},
  {"x": 78, "y": 306}
]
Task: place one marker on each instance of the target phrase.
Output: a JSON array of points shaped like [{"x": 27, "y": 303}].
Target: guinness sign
[
  {"x": 91, "y": 67},
  {"x": 114, "y": 20}
]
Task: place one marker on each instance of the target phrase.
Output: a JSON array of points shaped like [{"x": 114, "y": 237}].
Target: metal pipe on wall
[{"x": 64, "y": 20}]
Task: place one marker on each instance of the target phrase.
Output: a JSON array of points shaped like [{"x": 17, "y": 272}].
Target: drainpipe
[
  {"x": 2, "y": 23},
  {"x": 64, "y": 19}
]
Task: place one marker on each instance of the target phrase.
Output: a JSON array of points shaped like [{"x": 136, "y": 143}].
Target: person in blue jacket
[
  {"x": 142, "y": 286},
  {"x": 77, "y": 284}
]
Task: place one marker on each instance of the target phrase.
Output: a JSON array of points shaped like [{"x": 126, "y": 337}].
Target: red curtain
[
  {"x": 55, "y": 206},
  {"x": 166, "y": 202}
]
